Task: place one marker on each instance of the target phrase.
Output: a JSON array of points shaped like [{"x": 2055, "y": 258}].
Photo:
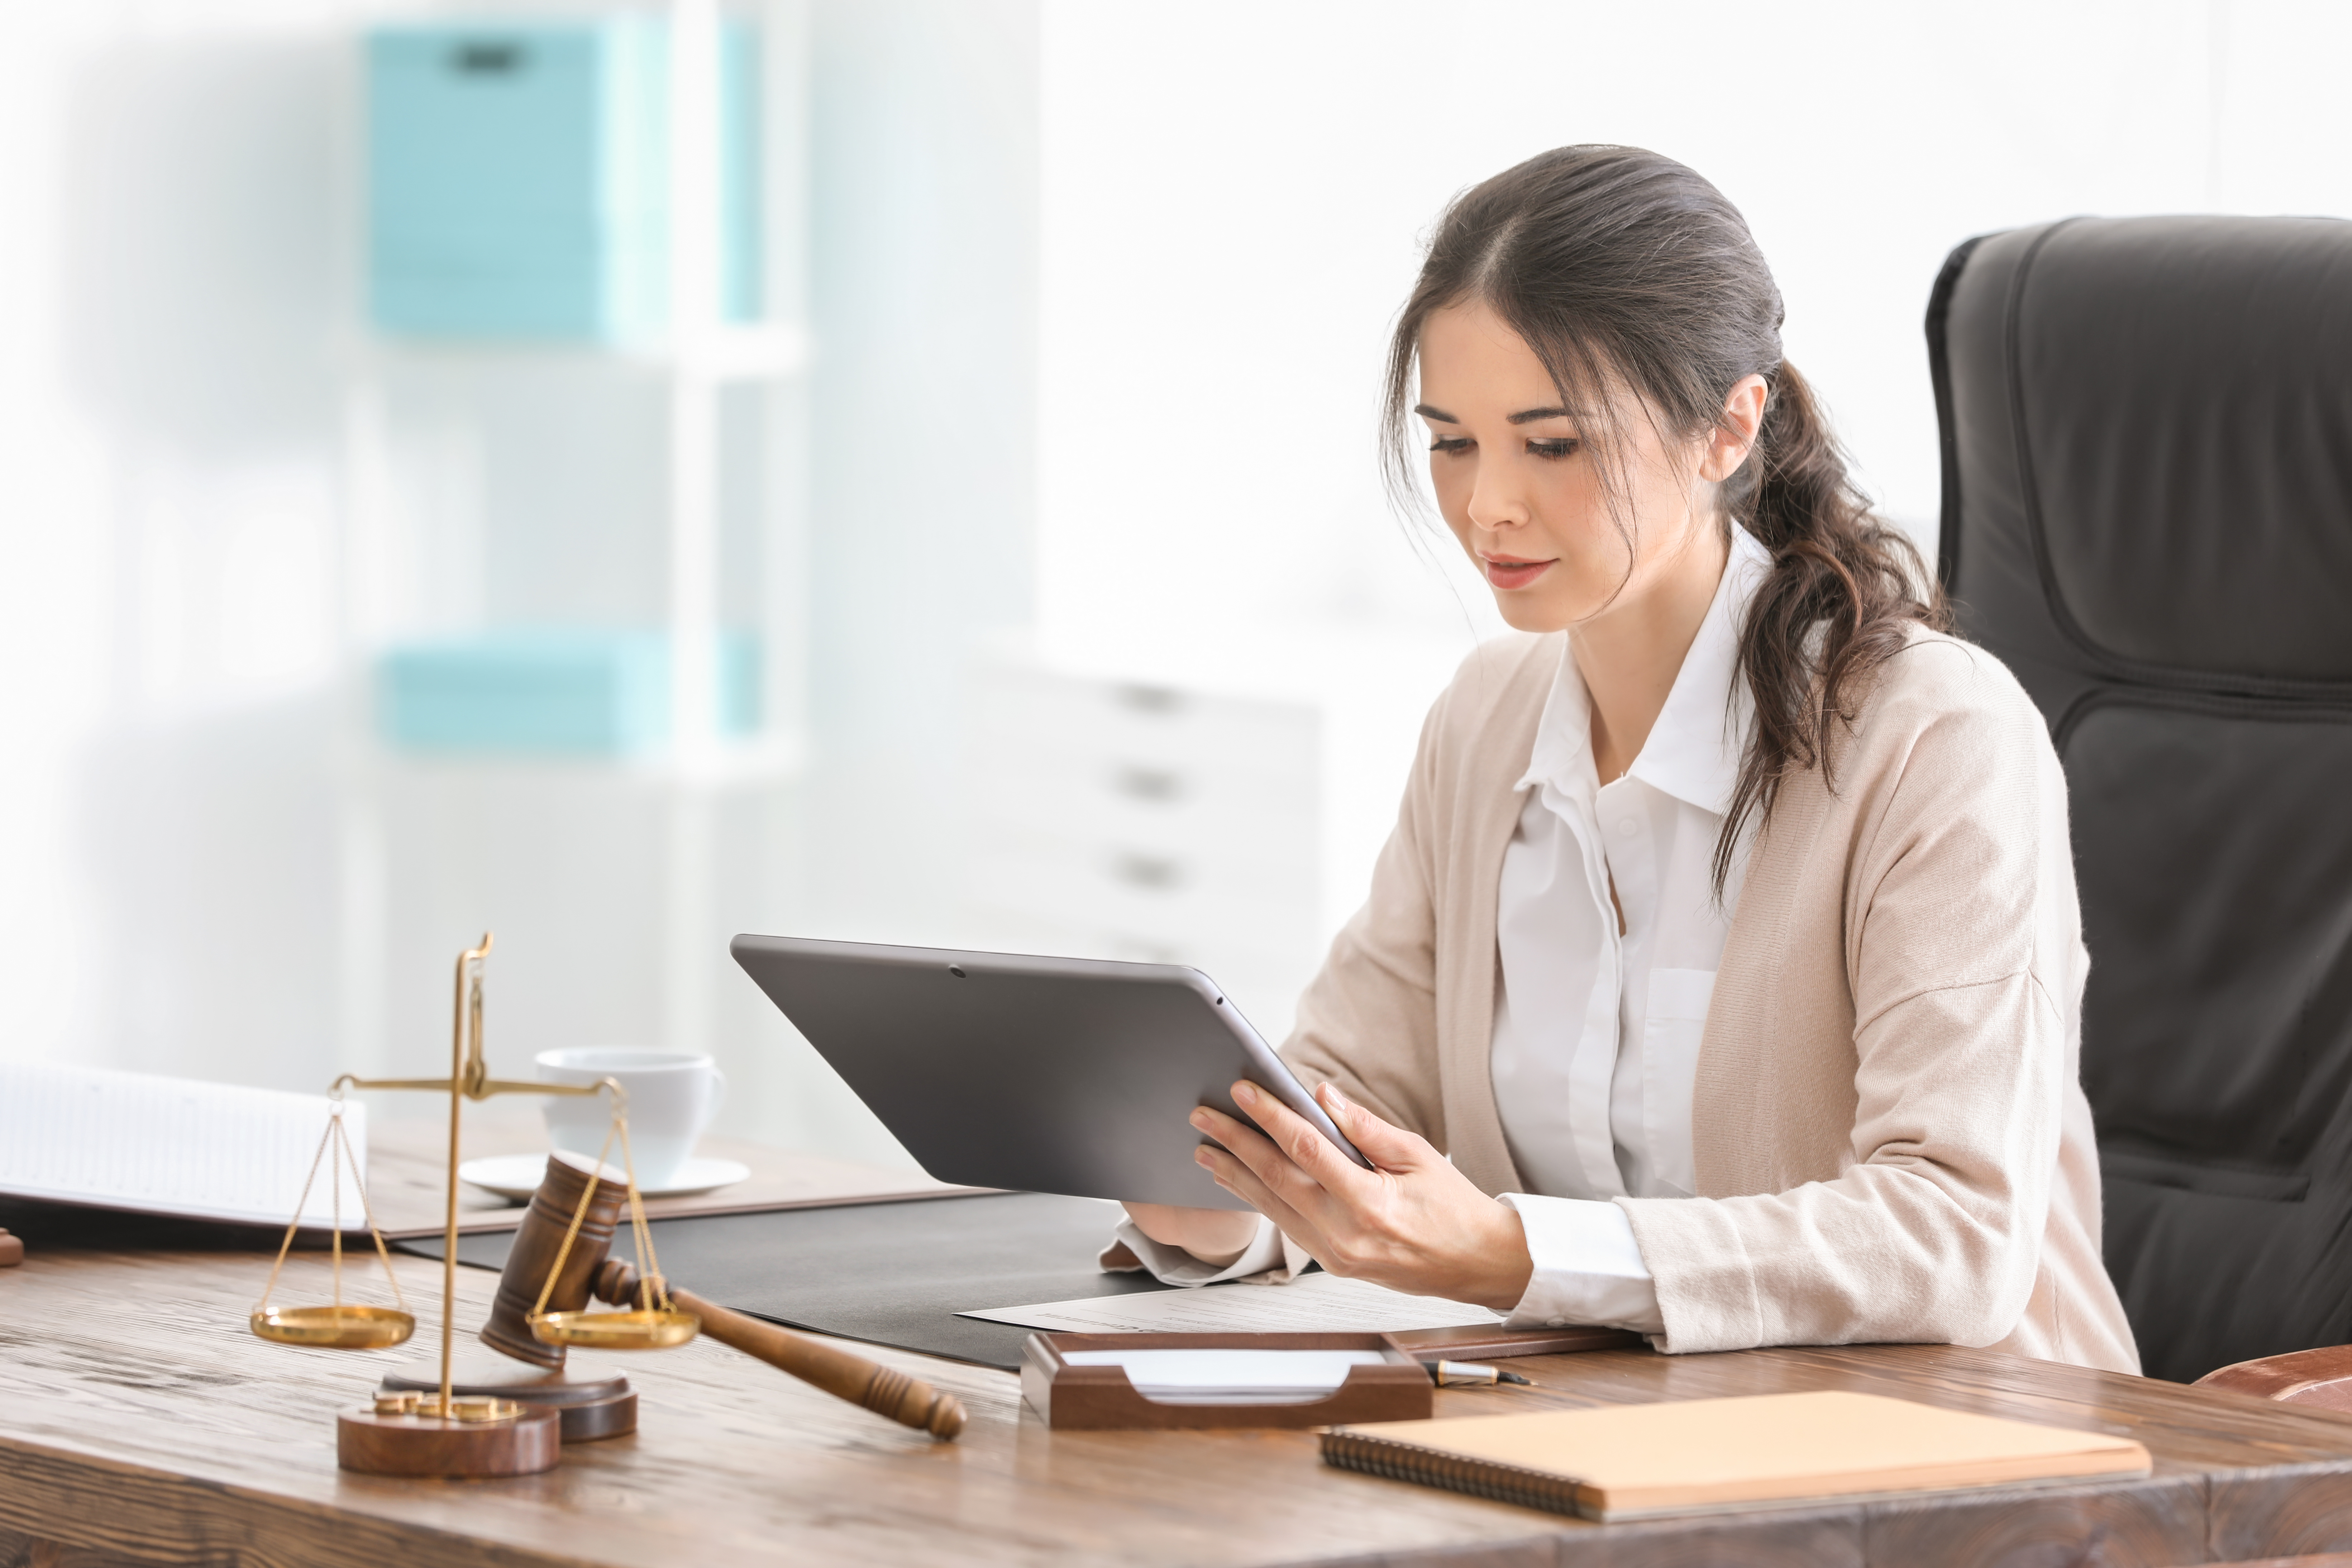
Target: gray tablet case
[{"x": 1042, "y": 1075}]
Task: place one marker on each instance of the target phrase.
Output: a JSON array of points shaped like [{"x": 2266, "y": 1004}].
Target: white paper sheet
[
  {"x": 1231, "y": 1377},
  {"x": 170, "y": 1145},
  {"x": 1312, "y": 1303}
]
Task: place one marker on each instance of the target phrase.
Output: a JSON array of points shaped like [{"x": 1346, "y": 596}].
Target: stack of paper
[
  {"x": 1312, "y": 1303},
  {"x": 1231, "y": 1377},
  {"x": 170, "y": 1145}
]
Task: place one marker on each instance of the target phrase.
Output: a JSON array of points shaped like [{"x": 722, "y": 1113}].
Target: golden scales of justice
[{"x": 511, "y": 1414}]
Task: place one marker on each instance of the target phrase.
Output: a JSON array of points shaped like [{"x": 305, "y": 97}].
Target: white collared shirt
[
  {"x": 1595, "y": 1047},
  {"x": 1596, "y": 1031}
]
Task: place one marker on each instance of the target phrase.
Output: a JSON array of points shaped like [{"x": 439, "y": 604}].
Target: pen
[{"x": 1466, "y": 1374}]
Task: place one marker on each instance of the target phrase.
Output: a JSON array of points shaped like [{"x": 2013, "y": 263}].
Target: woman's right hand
[{"x": 1215, "y": 1237}]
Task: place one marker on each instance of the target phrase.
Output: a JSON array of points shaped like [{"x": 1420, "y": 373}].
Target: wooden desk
[{"x": 141, "y": 1423}]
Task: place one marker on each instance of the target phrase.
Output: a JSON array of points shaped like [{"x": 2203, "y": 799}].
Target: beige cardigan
[{"x": 1892, "y": 1139}]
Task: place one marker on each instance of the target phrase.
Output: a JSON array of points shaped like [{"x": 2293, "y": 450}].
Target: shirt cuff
[
  {"x": 1267, "y": 1260},
  {"x": 1588, "y": 1268}
]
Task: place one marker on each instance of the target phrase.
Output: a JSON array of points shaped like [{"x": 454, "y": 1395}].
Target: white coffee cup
[{"x": 673, "y": 1095}]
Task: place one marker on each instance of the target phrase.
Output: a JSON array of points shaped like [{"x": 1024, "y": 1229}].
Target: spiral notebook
[{"x": 1702, "y": 1455}]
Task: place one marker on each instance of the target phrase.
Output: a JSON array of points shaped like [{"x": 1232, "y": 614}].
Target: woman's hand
[
  {"x": 1416, "y": 1223},
  {"x": 1215, "y": 1237}
]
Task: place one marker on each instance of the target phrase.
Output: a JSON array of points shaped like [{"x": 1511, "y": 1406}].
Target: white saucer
[{"x": 516, "y": 1176}]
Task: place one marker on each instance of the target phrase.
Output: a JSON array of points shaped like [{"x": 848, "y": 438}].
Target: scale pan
[
  {"x": 338, "y": 1328},
  {"x": 615, "y": 1330}
]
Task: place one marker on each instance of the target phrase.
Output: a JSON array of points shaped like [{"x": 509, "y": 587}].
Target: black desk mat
[{"x": 891, "y": 1274}]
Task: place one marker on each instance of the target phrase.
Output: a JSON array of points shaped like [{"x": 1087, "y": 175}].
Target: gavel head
[{"x": 536, "y": 1245}]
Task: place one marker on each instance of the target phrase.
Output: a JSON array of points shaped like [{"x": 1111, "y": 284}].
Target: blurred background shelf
[
  {"x": 743, "y": 352},
  {"x": 570, "y": 370}
]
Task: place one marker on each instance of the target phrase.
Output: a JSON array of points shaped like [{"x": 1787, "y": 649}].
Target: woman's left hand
[{"x": 1416, "y": 1223}]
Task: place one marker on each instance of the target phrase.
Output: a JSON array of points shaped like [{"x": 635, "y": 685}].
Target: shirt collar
[{"x": 1694, "y": 750}]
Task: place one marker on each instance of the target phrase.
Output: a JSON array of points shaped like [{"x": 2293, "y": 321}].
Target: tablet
[{"x": 1040, "y": 1075}]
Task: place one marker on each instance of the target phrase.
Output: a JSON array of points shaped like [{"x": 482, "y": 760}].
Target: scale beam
[{"x": 482, "y": 1091}]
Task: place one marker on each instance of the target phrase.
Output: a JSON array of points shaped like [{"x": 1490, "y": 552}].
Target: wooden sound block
[
  {"x": 592, "y": 1401},
  {"x": 377, "y": 1444}
]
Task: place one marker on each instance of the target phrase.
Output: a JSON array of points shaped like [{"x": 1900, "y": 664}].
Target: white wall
[
  {"x": 1235, "y": 190},
  {"x": 923, "y": 428},
  {"x": 1100, "y": 294},
  {"x": 166, "y": 509}
]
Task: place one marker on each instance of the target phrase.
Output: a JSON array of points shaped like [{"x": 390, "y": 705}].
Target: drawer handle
[
  {"x": 1149, "y": 784},
  {"x": 1158, "y": 700},
  {"x": 1148, "y": 871}
]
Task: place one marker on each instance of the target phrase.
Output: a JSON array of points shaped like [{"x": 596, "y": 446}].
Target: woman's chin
[{"x": 1522, "y": 612}]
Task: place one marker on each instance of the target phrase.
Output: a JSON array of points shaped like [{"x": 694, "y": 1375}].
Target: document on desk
[
  {"x": 1312, "y": 1303},
  {"x": 170, "y": 1145}
]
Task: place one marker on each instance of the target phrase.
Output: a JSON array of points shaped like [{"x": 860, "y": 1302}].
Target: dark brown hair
[{"x": 1621, "y": 268}]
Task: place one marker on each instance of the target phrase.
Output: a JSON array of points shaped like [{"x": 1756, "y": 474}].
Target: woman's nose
[{"x": 1494, "y": 500}]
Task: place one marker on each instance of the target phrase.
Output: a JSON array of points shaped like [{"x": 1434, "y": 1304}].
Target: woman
[{"x": 1721, "y": 978}]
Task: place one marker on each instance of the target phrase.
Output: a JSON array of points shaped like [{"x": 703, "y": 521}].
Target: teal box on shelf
[
  {"x": 518, "y": 178},
  {"x": 550, "y": 691}
]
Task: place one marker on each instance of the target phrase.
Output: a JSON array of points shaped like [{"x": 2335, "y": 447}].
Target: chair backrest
[{"x": 2148, "y": 513}]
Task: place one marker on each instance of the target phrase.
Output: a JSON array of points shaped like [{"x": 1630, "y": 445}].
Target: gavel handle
[{"x": 909, "y": 1401}]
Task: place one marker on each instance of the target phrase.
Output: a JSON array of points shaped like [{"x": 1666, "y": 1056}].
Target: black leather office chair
[{"x": 2148, "y": 513}]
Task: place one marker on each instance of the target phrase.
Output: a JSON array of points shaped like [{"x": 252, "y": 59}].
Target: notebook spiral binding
[{"x": 1349, "y": 1450}]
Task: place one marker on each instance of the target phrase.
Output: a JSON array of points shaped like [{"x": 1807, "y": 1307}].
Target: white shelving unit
[{"x": 696, "y": 366}]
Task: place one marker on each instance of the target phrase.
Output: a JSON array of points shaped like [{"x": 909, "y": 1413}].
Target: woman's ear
[{"x": 1736, "y": 429}]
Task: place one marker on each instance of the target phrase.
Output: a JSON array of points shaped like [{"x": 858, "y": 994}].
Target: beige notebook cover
[{"x": 1628, "y": 1461}]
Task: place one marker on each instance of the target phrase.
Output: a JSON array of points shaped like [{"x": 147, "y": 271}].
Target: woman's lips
[{"x": 1506, "y": 573}]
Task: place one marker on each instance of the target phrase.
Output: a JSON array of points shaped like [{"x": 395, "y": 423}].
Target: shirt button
[
  {"x": 1626, "y": 828},
  {"x": 1556, "y": 1323}
]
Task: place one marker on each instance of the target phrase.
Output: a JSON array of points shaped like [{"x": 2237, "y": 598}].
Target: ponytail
[{"x": 1844, "y": 589}]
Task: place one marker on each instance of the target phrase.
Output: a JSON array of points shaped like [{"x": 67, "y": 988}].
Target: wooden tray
[{"x": 1099, "y": 1398}]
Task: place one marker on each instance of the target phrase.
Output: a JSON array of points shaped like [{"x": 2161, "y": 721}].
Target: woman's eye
[
  {"x": 1451, "y": 444},
  {"x": 1561, "y": 447}
]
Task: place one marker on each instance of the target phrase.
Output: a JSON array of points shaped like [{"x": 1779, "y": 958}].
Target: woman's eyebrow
[{"x": 1524, "y": 417}]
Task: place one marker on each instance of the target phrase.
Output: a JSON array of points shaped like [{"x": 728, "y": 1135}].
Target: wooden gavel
[{"x": 588, "y": 1269}]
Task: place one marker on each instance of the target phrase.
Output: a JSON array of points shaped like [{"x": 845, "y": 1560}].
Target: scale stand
[{"x": 592, "y": 1402}]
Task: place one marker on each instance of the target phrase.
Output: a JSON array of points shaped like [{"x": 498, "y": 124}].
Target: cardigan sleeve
[{"x": 1961, "y": 922}]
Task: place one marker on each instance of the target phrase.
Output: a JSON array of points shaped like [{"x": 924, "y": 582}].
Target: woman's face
[{"x": 1520, "y": 487}]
